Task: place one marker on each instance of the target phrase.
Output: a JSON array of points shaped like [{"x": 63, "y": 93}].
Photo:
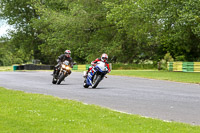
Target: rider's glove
[
  {"x": 58, "y": 60},
  {"x": 92, "y": 63}
]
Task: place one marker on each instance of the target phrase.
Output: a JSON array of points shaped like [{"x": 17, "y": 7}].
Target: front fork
[{"x": 65, "y": 72}]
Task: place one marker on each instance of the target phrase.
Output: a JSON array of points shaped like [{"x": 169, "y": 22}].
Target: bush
[
  {"x": 162, "y": 65},
  {"x": 180, "y": 58}
]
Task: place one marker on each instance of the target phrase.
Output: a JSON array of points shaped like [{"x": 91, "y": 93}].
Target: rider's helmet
[
  {"x": 67, "y": 53},
  {"x": 104, "y": 57}
]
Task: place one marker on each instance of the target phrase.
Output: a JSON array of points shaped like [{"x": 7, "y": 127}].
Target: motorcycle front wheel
[
  {"x": 61, "y": 78},
  {"x": 96, "y": 80}
]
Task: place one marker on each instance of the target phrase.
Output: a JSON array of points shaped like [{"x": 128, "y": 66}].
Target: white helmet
[
  {"x": 104, "y": 57},
  {"x": 67, "y": 52}
]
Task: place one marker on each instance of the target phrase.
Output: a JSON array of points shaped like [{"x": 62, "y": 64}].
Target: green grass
[
  {"x": 122, "y": 66},
  {"x": 161, "y": 75},
  {"x": 24, "y": 112},
  {"x": 6, "y": 68}
]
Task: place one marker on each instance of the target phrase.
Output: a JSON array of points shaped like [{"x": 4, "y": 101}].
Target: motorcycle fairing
[{"x": 90, "y": 76}]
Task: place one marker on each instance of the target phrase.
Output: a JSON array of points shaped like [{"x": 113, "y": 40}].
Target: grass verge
[
  {"x": 6, "y": 68},
  {"x": 160, "y": 75},
  {"x": 25, "y": 112}
]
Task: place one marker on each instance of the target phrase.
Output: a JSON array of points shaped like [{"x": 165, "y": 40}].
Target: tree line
[{"x": 129, "y": 31}]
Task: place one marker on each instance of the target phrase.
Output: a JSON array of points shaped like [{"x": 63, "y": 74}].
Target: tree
[
  {"x": 128, "y": 31},
  {"x": 161, "y": 25},
  {"x": 19, "y": 13}
]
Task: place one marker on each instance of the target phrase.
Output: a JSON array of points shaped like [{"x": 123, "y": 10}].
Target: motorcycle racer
[
  {"x": 62, "y": 58},
  {"x": 104, "y": 58}
]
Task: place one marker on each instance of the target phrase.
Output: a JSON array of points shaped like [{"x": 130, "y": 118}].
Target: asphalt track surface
[{"x": 164, "y": 100}]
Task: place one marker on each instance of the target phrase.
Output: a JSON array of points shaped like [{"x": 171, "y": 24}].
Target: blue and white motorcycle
[{"x": 95, "y": 75}]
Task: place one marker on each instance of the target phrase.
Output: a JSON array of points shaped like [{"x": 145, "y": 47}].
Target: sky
[{"x": 4, "y": 27}]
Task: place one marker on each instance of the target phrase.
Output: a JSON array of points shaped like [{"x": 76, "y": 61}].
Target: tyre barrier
[
  {"x": 85, "y": 67},
  {"x": 32, "y": 67},
  {"x": 184, "y": 66},
  {"x": 47, "y": 67},
  {"x": 81, "y": 67}
]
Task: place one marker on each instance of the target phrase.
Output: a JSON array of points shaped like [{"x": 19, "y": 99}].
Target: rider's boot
[
  {"x": 55, "y": 73},
  {"x": 85, "y": 74}
]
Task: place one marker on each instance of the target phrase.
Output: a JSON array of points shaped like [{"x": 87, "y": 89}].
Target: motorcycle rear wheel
[
  {"x": 85, "y": 85},
  {"x": 54, "y": 80}
]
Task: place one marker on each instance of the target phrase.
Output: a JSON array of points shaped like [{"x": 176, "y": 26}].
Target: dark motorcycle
[{"x": 64, "y": 71}]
